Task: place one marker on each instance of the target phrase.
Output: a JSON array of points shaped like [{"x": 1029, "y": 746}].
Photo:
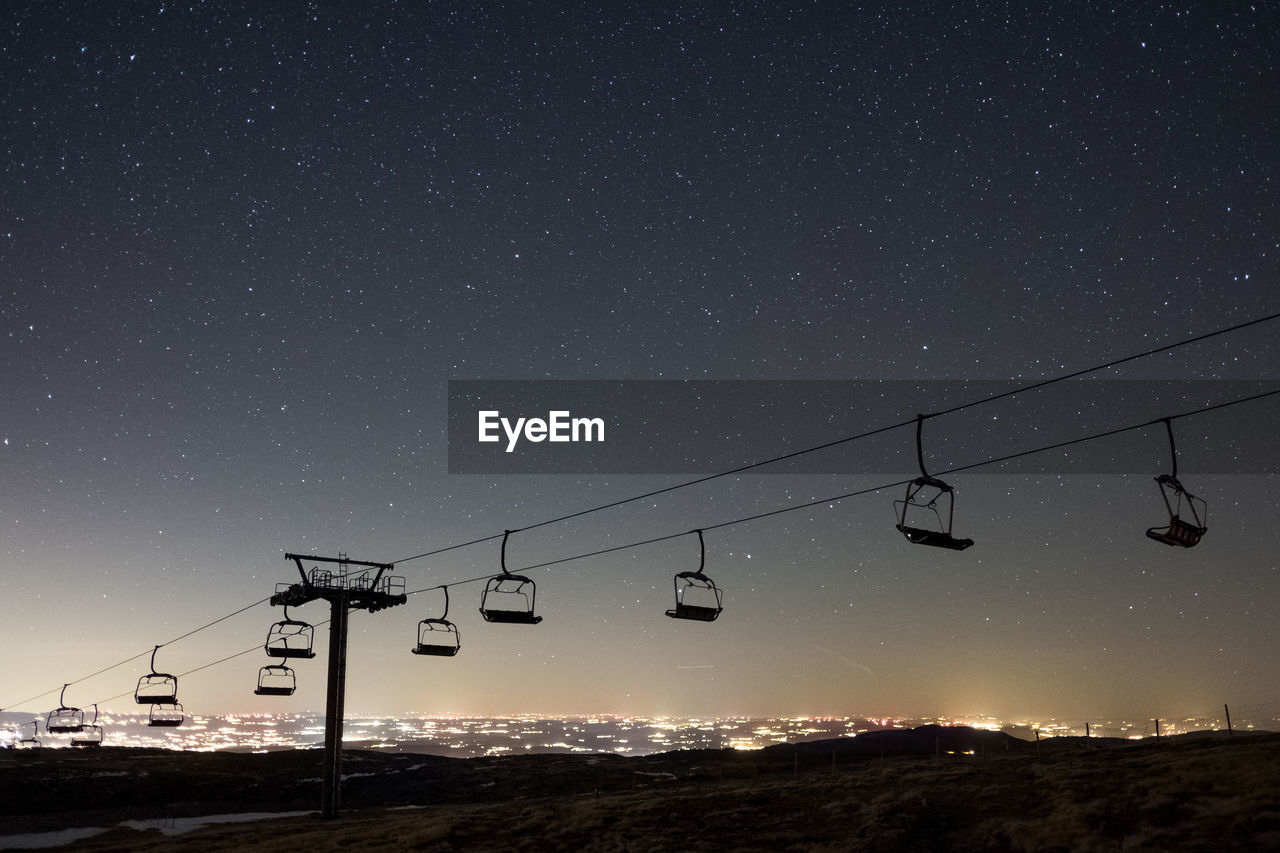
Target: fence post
[
  {"x": 1157, "y": 722},
  {"x": 1227, "y": 711}
]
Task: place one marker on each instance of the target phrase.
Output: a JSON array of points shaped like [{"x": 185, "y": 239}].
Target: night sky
[{"x": 244, "y": 248}]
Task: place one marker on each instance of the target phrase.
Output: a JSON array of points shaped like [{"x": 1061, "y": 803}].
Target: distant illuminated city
[{"x": 467, "y": 737}]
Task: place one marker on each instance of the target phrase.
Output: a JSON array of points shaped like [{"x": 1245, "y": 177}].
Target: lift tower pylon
[{"x": 368, "y": 587}]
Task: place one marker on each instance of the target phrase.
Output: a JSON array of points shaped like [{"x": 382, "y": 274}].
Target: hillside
[{"x": 902, "y": 790}]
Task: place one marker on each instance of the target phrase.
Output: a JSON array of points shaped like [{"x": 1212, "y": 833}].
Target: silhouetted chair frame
[
  {"x": 166, "y": 715},
  {"x": 704, "y": 588},
  {"x": 439, "y": 637},
  {"x": 507, "y": 588},
  {"x": 276, "y": 679},
  {"x": 1187, "y": 513},
  {"x": 926, "y": 493},
  {"x": 290, "y": 638}
]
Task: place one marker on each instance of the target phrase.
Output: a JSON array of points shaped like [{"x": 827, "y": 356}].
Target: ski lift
[
  {"x": 697, "y": 596},
  {"x": 29, "y": 742},
  {"x": 928, "y": 498},
  {"x": 64, "y": 720},
  {"x": 439, "y": 636},
  {"x": 166, "y": 714},
  {"x": 1181, "y": 532},
  {"x": 290, "y": 638},
  {"x": 91, "y": 735},
  {"x": 156, "y": 687},
  {"x": 276, "y": 680},
  {"x": 509, "y": 598}
]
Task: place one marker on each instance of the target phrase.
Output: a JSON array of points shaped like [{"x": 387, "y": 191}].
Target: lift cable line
[
  {"x": 851, "y": 438},
  {"x": 254, "y": 648},
  {"x": 879, "y": 488},
  {"x": 172, "y": 715},
  {"x": 741, "y": 469},
  {"x": 667, "y": 537},
  {"x": 133, "y": 658}
]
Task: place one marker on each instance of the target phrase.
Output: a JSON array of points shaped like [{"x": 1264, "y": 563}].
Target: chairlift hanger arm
[
  {"x": 1173, "y": 449},
  {"x": 920, "y": 445}
]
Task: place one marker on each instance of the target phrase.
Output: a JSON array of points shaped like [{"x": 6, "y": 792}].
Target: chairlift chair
[
  {"x": 63, "y": 719},
  {"x": 34, "y": 740},
  {"x": 92, "y": 734},
  {"x": 166, "y": 714},
  {"x": 1183, "y": 531},
  {"x": 697, "y": 596},
  {"x": 276, "y": 680},
  {"x": 90, "y": 737},
  {"x": 928, "y": 498},
  {"x": 156, "y": 687},
  {"x": 290, "y": 638},
  {"x": 509, "y": 598},
  {"x": 439, "y": 637}
]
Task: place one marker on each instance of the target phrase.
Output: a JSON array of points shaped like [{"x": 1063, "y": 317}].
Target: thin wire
[
  {"x": 249, "y": 650},
  {"x": 761, "y": 463},
  {"x": 756, "y": 517},
  {"x": 835, "y": 443},
  {"x": 138, "y": 655},
  {"x": 216, "y": 621},
  {"x": 1109, "y": 364},
  {"x": 993, "y": 461}
]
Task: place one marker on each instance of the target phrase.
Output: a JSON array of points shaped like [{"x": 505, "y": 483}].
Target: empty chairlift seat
[
  {"x": 697, "y": 596},
  {"x": 156, "y": 687},
  {"x": 276, "y": 680},
  {"x": 439, "y": 637},
  {"x": 166, "y": 714},
  {"x": 1187, "y": 513},
  {"x": 509, "y": 598},
  {"x": 925, "y": 514},
  {"x": 64, "y": 719},
  {"x": 290, "y": 638},
  {"x": 91, "y": 735}
]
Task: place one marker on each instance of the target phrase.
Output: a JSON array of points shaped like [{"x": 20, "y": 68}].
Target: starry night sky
[{"x": 243, "y": 250}]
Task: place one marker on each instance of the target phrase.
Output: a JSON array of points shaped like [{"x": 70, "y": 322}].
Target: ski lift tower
[{"x": 350, "y": 585}]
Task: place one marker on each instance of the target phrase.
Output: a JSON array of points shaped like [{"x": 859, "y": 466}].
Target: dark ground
[{"x": 899, "y": 790}]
